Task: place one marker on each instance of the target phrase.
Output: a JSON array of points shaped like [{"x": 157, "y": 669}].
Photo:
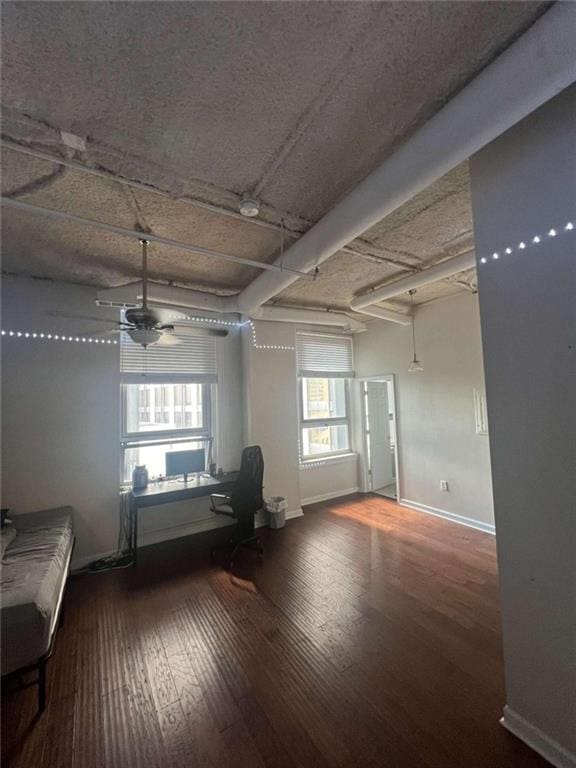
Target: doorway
[{"x": 380, "y": 443}]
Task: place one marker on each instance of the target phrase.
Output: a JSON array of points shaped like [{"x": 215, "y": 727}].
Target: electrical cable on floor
[{"x": 123, "y": 557}]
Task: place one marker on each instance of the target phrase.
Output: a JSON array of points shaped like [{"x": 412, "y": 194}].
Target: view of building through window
[
  {"x": 151, "y": 407},
  {"x": 324, "y": 400}
]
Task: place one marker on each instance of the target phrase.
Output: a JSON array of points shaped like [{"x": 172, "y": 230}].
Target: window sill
[{"x": 342, "y": 458}]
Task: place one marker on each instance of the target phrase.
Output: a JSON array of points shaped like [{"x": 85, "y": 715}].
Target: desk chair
[{"x": 244, "y": 501}]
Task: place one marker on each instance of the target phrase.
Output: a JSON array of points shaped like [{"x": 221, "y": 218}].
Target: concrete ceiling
[{"x": 292, "y": 102}]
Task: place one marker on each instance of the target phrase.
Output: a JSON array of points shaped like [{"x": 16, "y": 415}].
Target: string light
[
  {"x": 56, "y": 337},
  {"x": 283, "y": 347},
  {"x": 213, "y": 320},
  {"x": 536, "y": 240}
]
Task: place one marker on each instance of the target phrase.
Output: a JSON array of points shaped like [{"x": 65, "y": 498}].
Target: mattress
[{"x": 34, "y": 571}]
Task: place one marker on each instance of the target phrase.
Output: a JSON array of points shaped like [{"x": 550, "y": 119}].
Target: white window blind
[
  {"x": 194, "y": 359},
  {"x": 324, "y": 356}
]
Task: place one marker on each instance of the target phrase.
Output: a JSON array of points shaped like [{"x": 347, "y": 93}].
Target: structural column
[{"x": 524, "y": 203}]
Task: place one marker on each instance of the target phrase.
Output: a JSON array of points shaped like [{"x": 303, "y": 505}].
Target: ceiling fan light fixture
[
  {"x": 144, "y": 336},
  {"x": 415, "y": 366}
]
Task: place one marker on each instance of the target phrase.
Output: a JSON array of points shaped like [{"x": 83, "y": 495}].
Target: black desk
[{"x": 169, "y": 491}]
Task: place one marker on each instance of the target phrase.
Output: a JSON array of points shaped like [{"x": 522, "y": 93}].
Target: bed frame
[{"x": 40, "y": 665}]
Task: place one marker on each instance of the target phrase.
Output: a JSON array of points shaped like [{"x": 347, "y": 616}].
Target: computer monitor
[{"x": 185, "y": 462}]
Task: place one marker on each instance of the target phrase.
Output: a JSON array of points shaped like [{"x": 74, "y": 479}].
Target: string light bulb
[
  {"x": 536, "y": 240},
  {"x": 35, "y": 336}
]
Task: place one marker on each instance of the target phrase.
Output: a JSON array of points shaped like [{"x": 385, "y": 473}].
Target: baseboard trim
[
  {"x": 158, "y": 535},
  {"x": 469, "y": 522},
  {"x": 328, "y": 496},
  {"x": 537, "y": 740},
  {"x": 295, "y": 513}
]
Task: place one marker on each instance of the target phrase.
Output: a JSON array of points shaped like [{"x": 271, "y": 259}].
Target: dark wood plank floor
[{"x": 369, "y": 636}]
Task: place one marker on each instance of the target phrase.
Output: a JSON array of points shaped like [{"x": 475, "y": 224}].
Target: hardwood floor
[{"x": 368, "y": 636}]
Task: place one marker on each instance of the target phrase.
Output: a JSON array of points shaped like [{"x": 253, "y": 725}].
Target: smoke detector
[{"x": 249, "y": 207}]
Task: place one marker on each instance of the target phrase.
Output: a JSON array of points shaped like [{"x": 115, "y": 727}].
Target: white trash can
[{"x": 276, "y": 508}]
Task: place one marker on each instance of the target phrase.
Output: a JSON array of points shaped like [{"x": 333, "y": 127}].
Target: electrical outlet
[{"x": 444, "y": 485}]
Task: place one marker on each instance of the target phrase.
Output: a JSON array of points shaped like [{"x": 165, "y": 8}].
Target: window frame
[
  {"x": 160, "y": 434},
  {"x": 332, "y": 421},
  {"x": 130, "y": 440}
]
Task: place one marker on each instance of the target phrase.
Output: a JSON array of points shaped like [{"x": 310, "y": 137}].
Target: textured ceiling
[{"x": 292, "y": 102}]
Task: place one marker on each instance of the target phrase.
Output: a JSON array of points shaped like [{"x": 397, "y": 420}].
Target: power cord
[{"x": 123, "y": 557}]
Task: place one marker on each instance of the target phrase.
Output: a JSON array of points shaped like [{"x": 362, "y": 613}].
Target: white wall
[
  {"x": 60, "y": 413},
  {"x": 61, "y": 420},
  {"x": 523, "y": 184},
  {"x": 271, "y": 408},
  {"x": 329, "y": 480},
  {"x": 437, "y": 437}
]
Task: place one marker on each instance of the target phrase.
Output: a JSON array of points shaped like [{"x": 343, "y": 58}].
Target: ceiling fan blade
[
  {"x": 84, "y": 317},
  {"x": 165, "y": 316},
  {"x": 167, "y": 340},
  {"x": 195, "y": 330}
]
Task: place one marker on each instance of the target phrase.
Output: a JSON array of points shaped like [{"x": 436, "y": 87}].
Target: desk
[{"x": 169, "y": 491}]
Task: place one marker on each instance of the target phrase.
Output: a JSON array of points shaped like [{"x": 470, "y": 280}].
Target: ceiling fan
[{"x": 149, "y": 325}]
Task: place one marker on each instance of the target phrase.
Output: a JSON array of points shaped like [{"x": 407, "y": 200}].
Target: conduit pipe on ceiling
[
  {"x": 169, "y": 295},
  {"x": 431, "y": 275},
  {"x": 386, "y": 314},
  {"x": 308, "y": 316},
  {"x": 52, "y": 213},
  {"x": 531, "y": 71}
]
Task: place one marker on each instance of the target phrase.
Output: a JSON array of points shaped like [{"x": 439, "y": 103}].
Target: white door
[{"x": 380, "y": 444}]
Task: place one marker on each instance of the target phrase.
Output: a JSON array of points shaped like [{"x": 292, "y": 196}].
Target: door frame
[{"x": 364, "y": 458}]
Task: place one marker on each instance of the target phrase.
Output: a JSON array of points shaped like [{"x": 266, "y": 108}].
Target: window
[
  {"x": 325, "y": 365},
  {"x": 166, "y": 401},
  {"x": 161, "y": 407}
]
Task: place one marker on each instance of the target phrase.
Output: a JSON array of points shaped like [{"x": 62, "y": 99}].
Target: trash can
[{"x": 276, "y": 508}]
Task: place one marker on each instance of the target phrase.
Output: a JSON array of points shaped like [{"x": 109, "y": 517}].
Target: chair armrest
[{"x": 217, "y": 503}]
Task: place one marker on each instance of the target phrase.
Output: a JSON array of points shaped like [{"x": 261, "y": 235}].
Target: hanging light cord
[{"x": 412, "y": 292}]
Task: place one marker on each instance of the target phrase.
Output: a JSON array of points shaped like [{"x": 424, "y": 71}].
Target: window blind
[
  {"x": 194, "y": 359},
  {"x": 324, "y": 356}
]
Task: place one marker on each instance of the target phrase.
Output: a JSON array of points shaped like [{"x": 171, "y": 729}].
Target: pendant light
[{"x": 415, "y": 366}]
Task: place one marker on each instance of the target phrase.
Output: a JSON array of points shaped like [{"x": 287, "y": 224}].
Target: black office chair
[{"x": 244, "y": 501}]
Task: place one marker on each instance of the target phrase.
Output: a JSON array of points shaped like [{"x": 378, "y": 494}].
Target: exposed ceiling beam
[
  {"x": 538, "y": 66},
  {"x": 151, "y": 189},
  {"x": 186, "y": 200}
]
